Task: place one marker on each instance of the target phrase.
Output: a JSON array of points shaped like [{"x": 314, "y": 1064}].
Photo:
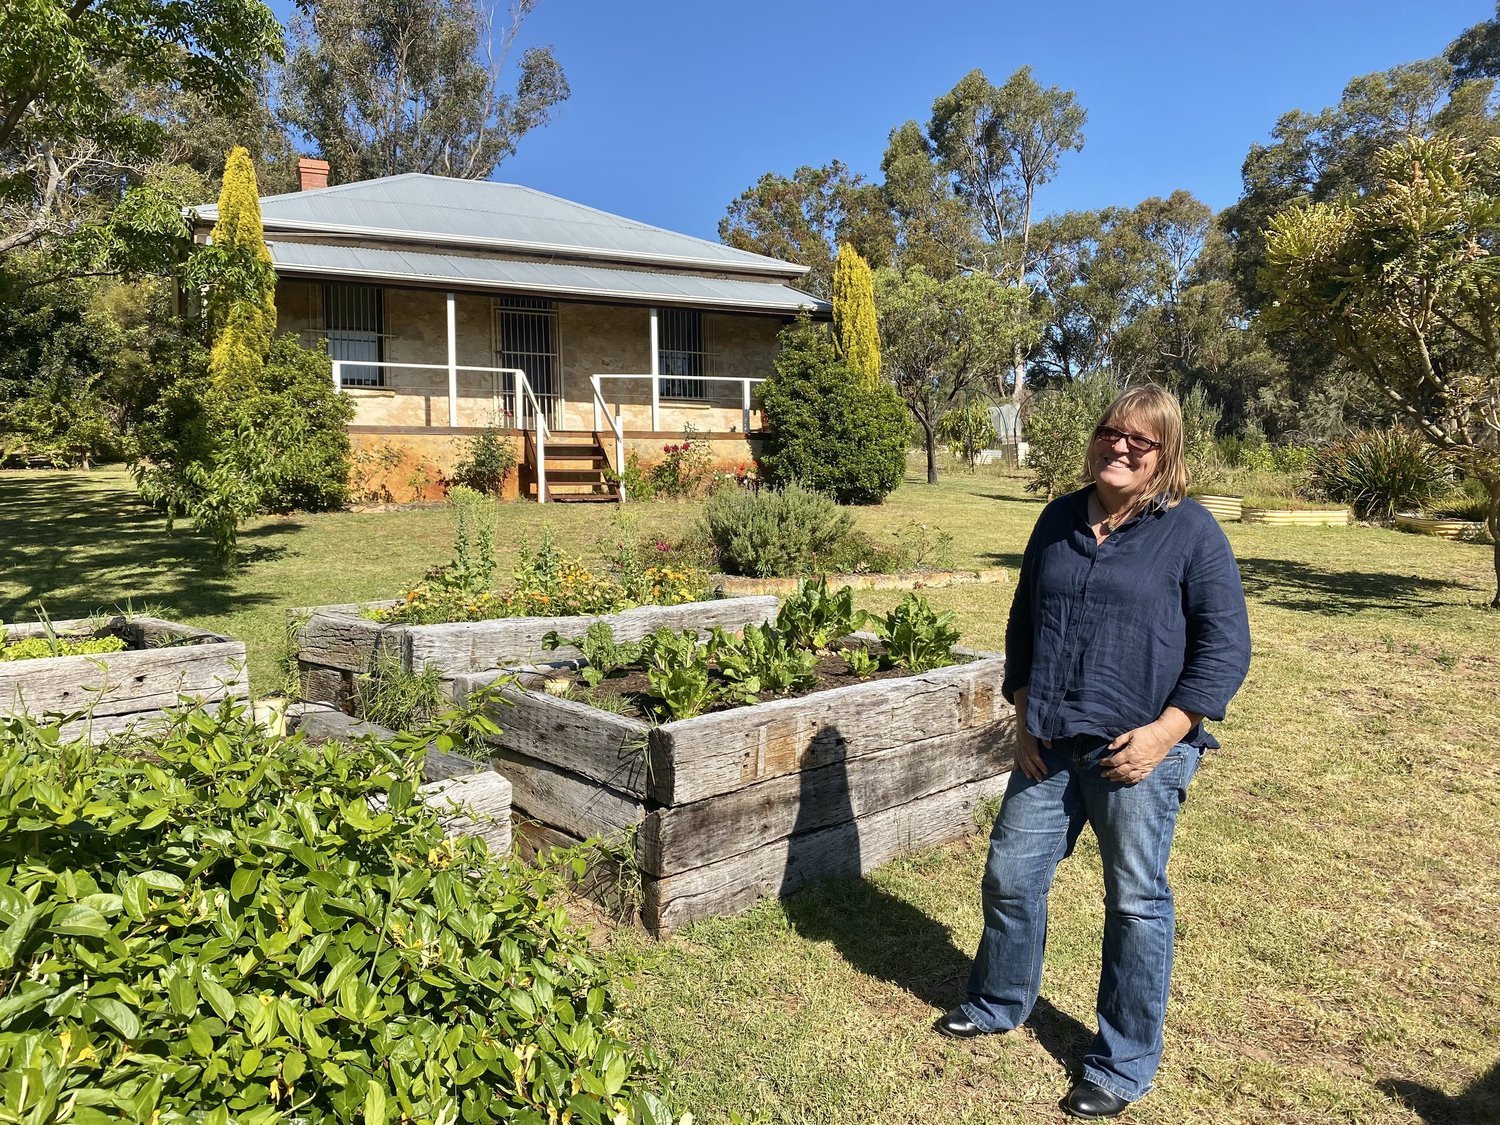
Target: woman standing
[{"x": 1127, "y": 631}]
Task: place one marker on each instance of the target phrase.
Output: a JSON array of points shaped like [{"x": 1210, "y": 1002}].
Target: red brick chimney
[{"x": 312, "y": 173}]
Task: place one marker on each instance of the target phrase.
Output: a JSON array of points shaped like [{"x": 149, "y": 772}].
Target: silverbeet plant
[{"x": 215, "y": 925}]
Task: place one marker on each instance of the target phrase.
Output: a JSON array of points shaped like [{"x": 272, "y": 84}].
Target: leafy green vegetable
[{"x": 917, "y": 637}]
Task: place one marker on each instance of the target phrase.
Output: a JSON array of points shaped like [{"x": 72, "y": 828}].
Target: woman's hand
[
  {"x": 1028, "y": 749},
  {"x": 1137, "y": 752},
  {"x": 1029, "y": 754}
]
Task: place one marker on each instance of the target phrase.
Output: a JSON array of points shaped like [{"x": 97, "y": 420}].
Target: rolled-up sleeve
[{"x": 1218, "y": 630}]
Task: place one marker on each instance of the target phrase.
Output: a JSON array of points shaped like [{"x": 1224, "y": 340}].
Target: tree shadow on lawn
[
  {"x": 876, "y": 932},
  {"x": 1335, "y": 593},
  {"x": 887, "y": 938},
  {"x": 1011, "y": 560},
  {"x": 62, "y": 533},
  {"x": 1477, "y": 1105}
]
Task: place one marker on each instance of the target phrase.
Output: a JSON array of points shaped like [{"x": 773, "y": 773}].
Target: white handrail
[
  {"x": 745, "y": 381},
  {"x": 615, "y": 428},
  {"x": 522, "y": 387},
  {"x": 542, "y": 431}
]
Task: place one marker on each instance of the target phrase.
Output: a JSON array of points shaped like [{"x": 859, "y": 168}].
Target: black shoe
[
  {"x": 1088, "y": 1100},
  {"x": 956, "y": 1025}
]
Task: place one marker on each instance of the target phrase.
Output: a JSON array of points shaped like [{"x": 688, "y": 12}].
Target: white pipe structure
[{"x": 452, "y": 361}]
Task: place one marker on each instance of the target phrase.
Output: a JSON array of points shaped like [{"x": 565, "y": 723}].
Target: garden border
[
  {"x": 733, "y": 585},
  {"x": 115, "y": 691},
  {"x": 726, "y": 808},
  {"x": 334, "y": 643}
]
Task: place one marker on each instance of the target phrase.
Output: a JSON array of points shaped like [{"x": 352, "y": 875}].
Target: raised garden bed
[
  {"x": 1443, "y": 528},
  {"x": 718, "y": 811},
  {"x": 1230, "y": 509},
  {"x": 1298, "y": 517},
  {"x": 161, "y": 663},
  {"x": 336, "y": 643}
]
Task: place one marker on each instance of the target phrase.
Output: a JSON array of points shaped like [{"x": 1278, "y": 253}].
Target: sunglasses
[{"x": 1136, "y": 443}]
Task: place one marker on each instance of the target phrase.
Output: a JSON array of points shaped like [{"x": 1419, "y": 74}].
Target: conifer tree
[
  {"x": 241, "y": 296},
  {"x": 854, "y": 316}
]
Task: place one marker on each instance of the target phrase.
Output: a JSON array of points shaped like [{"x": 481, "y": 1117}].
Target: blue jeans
[{"x": 1038, "y": 825}]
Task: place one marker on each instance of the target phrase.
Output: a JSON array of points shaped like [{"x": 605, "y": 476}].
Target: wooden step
[{"x": 574, "y": 476}]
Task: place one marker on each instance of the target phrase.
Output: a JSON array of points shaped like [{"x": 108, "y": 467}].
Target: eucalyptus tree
[
  {"x": 806, "y": 216},
  {"x": 81, "y": 151},
  {"x": 1404, "y": 283},
  {"x": 944, "y": 341},
  {"x": 390, "y": 86}
]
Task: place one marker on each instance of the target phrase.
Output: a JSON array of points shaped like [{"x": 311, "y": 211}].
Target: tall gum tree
[
  {"x": 391, "y": 86},
  {"x": 942, "y": 341},
  {"x": 1405, "y": 283}
]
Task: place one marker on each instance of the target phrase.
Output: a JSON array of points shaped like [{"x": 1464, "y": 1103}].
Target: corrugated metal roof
[
  {"x": 552, "y": 278},
  {"x": 484, "y": 215}
]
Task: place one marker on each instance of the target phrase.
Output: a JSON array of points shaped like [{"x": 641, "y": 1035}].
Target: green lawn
[{"x": 1337, "y": 868}]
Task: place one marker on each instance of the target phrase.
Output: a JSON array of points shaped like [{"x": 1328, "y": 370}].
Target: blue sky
[{"x": 679, "y": 106}]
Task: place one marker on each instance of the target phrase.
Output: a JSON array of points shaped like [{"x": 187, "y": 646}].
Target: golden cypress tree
[
  {"x": 241, "y": 303},
  {"x": 854, "y": 315}
]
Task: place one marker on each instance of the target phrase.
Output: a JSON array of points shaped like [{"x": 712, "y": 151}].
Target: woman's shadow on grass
[
  {"x": 1479, "y": 1104},
  {"x": 876, "y": 932}
]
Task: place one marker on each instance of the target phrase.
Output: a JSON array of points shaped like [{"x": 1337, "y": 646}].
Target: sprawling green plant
[
  {"x": 217, "y": 925},
  {"x": 1382, "y": 472},
  {"x": 56, "y": 644},
  {"x": 604, "y": 654},
  {"x": 775, "y": 533}
]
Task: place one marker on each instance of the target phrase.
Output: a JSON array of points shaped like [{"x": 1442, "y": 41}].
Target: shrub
[
  {"x": 1058, "y": 427},
  {"x": 967, "y": 430},
  {"x": 686, "y": 470},
  {"x": 1381, "y": 472},
  {"x": 488, "y": 458},
  {"x": 825, "y": 430},
  {"x": 774, "y": 533},
  {"x": 1200, "y": 418},
  {"x": 219, "y": 455},
  {"x": 218, "y": 925}
]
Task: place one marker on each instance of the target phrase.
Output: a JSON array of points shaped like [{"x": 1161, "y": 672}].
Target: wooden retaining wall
[
  {"x": 114, "y": 692},
  {"x": 732, "y": 807},
  {"x": 1299, "y": 517},
  {"x": 334, "y": 644}
]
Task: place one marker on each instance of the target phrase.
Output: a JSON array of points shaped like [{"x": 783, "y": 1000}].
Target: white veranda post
[
  {"x": 452, "y": 361},
  {"x": 655, "y": 375}
]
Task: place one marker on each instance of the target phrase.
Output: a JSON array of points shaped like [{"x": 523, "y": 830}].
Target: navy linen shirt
[{"x": 1106, "y": 636}]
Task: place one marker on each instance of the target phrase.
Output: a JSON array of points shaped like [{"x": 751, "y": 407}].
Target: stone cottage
[{"x": 452, "y": 305}]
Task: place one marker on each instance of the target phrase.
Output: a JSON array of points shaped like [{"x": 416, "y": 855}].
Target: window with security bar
[
  {"x": 526, "y": 337},
  {"x": 354, "y": 326},
  {"x": 682, "y": 352}
]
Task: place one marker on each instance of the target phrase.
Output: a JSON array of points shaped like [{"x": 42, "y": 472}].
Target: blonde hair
[{"x": 1154, "y": 410}]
